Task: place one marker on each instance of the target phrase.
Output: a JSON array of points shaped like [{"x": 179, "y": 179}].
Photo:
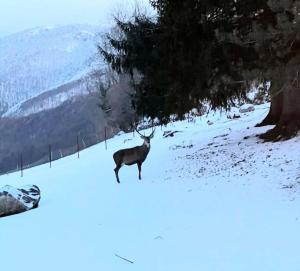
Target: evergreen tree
[
  {"x": 201, "y": 50},
  {"x": 135, "y": 52},
  {"x": 254, "y": 40}
]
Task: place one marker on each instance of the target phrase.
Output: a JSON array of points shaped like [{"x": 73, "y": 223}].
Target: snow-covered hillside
[
  {"x": 213, "y": 197},
  {"x": 49, "y": 99},
  {"x": 44, "y": 58}
]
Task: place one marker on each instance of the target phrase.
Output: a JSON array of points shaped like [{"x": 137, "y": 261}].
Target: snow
[{"x": 213, "y": 197}]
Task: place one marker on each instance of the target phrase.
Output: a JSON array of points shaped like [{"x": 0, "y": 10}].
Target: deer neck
[{"x": 146, "y": 144}]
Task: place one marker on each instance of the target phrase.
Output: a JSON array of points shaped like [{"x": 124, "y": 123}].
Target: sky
[{"x": 18, "y": 15}]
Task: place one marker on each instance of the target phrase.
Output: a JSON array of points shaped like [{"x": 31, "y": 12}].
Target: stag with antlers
[{"x": 136, "y": 155}]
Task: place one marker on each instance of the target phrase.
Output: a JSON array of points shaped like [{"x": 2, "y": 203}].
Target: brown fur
[{"x": 136, "y": 155}]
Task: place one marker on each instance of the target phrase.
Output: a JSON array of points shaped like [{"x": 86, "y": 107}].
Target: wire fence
[
  {"x": 50, "y": 152},
  {"x": 54, "y": 151}
]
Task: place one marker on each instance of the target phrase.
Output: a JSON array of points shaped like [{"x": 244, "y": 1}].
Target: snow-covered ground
[{"x": 213, "y": 197}]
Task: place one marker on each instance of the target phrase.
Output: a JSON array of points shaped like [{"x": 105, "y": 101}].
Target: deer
[{"x": 136, "y": 155}]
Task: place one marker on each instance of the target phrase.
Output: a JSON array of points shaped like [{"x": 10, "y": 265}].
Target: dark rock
[{"x": 169, "y": 133}]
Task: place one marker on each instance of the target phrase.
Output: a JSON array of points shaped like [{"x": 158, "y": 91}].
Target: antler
[
  {"x": 151, "y": 135},
  {"x": 137, "y": 131}
]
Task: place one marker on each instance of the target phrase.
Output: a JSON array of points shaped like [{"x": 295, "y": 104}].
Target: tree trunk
[
  {"x": 289, "y": 122},
  {"x": 275, "y": 111}
]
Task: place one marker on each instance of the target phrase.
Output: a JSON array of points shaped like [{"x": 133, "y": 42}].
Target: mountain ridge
[{"x": 44, "y": 58}]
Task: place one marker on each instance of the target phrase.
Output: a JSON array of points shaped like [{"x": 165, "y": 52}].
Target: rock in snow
[
  {"x": 247, "y": 108},
  {"x": 17, "y": 200}
]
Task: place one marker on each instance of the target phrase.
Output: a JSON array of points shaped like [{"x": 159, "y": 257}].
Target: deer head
[{"x": 146, "y": 138}]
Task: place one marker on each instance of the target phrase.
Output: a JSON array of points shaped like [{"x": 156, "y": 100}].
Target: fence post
[
  {"x": 105, "y": 138},
  {"x": 78, "y": 148},
  {"x": 21, "y": 158},
  {"x": 83, "y": 143},
  {"x": 50, "y": 155}
]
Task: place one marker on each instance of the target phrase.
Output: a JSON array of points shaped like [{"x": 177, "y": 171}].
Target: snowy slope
[
  {"x": 214, "y": 197},
  {"x": 40, "y": 59}
]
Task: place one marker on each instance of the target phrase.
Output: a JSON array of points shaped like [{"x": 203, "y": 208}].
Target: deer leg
[
  {"x": 140, "y": 169},
  {"x": 117, "y": 172}
]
